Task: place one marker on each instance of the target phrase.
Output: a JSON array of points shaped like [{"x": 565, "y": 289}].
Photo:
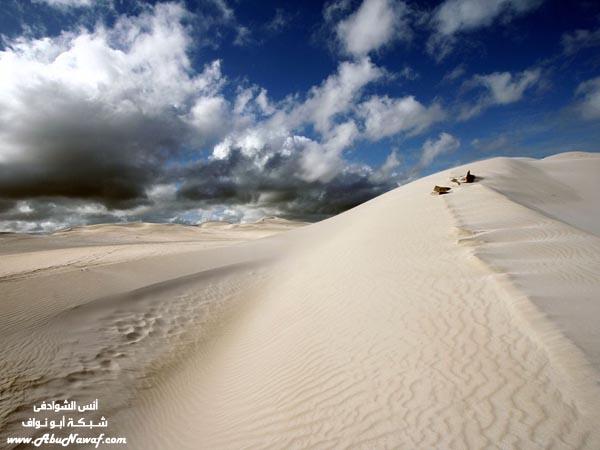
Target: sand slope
[
  {"x": 412, "y": 321},
  {"x": 538, "y": 222},
  {"x": 83, "y": 312}
]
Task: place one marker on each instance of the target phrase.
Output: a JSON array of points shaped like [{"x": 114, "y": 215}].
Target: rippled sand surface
[{"x": 467, "y": 320}]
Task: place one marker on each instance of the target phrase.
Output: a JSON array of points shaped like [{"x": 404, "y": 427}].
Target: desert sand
[{"x": 417, "y": 321}]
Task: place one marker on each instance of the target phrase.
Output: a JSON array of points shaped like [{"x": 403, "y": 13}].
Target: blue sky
[{"x": 189, "y": 111}]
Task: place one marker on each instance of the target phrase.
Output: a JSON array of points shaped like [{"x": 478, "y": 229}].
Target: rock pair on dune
[{"x": 468, "y": 178}]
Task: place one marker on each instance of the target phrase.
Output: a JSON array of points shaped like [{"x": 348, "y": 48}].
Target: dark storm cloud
[
  {"x": 80, "y": 149},
  {"x": 109, "y": 124},
  {"x": 112, "y": 159},
  {"x": 89, "y": 119},
  {"x": 6, "y": 205},
  {"x": 277, "y": 183}
]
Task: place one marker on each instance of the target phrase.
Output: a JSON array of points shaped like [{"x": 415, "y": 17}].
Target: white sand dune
[{"x": 467, "y": 320}]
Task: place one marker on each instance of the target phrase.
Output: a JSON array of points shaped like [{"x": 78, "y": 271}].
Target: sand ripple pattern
[
  {"x": 361, "y": 342},
  {"x": 114, "y": 344},
  {"x": 556, "y": 265},
  {"x": 405, "y": 323}
]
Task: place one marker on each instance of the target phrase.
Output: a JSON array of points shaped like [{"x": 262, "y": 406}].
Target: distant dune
[{"x": 417, "y": 321}]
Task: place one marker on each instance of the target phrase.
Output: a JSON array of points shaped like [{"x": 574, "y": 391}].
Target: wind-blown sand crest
[{"x": 412, "y": 321}]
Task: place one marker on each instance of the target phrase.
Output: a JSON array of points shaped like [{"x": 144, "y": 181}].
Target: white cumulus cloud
[
  {"x": 67, "y": 3},
  {"x": 445, "y": 143},
  {"x": 110, "y": 123},
  {"x": 337, "y": 93},
  {"x": 500, "y": 88},
  {"x": 579, "y": 40},
  {"x": 375, "y": 24},
  {"x": 589, "y": 94},
  {"x": 385, "y": 116},
  {"x": 107, "y": 103},
  {"x": 457, "y": 16}
]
